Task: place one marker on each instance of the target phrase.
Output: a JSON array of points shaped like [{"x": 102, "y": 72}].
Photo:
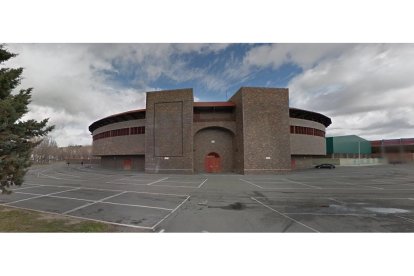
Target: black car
[{"x": 325, "y": 166}]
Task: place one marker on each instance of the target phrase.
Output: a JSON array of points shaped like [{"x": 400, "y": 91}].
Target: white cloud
[
  {"x": 72, "y": 86},
  {"x": 303, "y": 55},
  {"x": 367, "y": 90}
]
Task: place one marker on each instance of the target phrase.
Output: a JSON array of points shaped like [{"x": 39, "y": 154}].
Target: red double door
[{"x": 212, "y": 163}]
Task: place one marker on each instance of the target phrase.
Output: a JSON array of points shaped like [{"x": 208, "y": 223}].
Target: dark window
[
  {"x": 307, "y": 131},
  {"x": 137, "y": 130}
]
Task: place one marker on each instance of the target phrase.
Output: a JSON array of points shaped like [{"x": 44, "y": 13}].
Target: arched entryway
[
  {"x": 212, "y": 163},
  {"x": 213, "y": 146}
]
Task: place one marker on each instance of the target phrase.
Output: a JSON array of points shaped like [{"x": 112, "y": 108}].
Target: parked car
[{"x": 325, "y": 166}]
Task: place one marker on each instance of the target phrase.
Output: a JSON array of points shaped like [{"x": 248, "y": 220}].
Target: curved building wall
[
  {"x": 254, "y": 132},
  {"x": 124, "y": 162},
  {"x": 132, "y": 144},
  {"x": 307, "y": 144}
]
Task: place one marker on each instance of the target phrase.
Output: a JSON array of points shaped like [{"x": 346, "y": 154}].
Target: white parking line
[
  {"x": 300, "y": 183},
  {"x": 77, "y": 176},
  {"x": 89, "y": 204},
  {"x": 275, "y": 188},
  {"x": 81, "y": 218},
  {"x": 135, "y": 205},
  {"x": 357, "y": 185},
  {"x": 41, "y": 196},
  {"x": 270, "y": 182},
  {"x": 123, "y": 183},
  {"x": 27, "y": 193},
  {"x": 54, "y": 196},
  {"x": 96, "y": 201},
  {"x": 338, "y": 201},
  {"x": 251, "y": 183},
  {"x": 59, "y": 178},
  {"x": 202, "y": 183},
  {"x": 31, "y": 186},
  {"x": 326, "y": 214},
  {"x": 373, "y": 187},
  {"x": 191, "y": 187},
  {"x": 386, "y": 181},
  {"x": 111, "y": 190},
  {"x": 49, "y": 185},
  {"x": 360, "y": 185},
  {"x": 157, "y": 181},
  {"x": 123, "y": 178},
  {"x": 353, "y": 198},
  {"x": 184, "y": 182},
  {"x": 175, "y": 209},
  {"x": 286, "y": 216},
  {"x": 131, "y": 180},
  {"x": 367, "y": 188},
  {"x": 48, "y": 176}
]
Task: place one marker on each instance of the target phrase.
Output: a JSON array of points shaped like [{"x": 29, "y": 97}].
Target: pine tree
[{"x": 17, "y": 137}]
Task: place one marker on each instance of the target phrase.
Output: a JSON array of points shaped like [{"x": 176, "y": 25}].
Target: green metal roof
[{"x": 347, "y": 144}]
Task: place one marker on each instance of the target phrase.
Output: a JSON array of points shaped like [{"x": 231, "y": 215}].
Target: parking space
[
  {"x": 122, "y": 215},
  {"x": 48, "y": 204},
  {"x": 44, "y": 190},
  {"x": 332, "y": 183},
  {"x": 14, "y": 197},
  {"x": 143, "y": 210},
  {"x": 192, "y": 182},
  {"x": 150, "y": 200},
  {"x": 346, "y": 215},
  {"x": 357, "y": 199},
  {"x": 354, "y": 223},
  {"x": 89, "y": 194}
]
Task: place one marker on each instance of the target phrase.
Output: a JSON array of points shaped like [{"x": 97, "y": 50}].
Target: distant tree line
[{"x": 48, "y": 151}]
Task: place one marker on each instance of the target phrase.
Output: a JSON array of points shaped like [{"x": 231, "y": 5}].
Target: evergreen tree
[{"x": 16, "y": 136}]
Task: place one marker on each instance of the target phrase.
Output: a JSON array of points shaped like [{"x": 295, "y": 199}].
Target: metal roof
[
  {"x": 309, "y": 115},
  {"x": 140, "y": 114},
  {"x": 120, "y": 117}
]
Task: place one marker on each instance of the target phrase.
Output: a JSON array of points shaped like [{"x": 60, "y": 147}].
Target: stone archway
[{"x": 213, "y": 145}]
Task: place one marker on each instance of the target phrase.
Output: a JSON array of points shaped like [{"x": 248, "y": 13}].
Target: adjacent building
[
  {"x": 348, "y": 146},
  {"x": 395, "y": 150},
  {"x": 254, "y": 132}
]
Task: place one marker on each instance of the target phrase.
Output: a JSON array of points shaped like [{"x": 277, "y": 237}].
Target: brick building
[{"x": 254, "y": 132}]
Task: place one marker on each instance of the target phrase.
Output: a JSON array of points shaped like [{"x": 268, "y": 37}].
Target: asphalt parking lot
[{"x": 346, "y": 199}]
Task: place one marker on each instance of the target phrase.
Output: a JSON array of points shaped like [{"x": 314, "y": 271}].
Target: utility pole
[{"x": 359, "y": 152}]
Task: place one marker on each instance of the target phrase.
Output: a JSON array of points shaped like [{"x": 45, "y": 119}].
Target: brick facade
[
  {"x": 169, "y": 132},
  {"x": 251, "y": 133},
  {"x": 264, "y": 125}
]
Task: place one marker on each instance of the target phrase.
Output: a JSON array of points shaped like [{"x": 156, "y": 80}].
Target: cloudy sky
[{"x": 366, "y": 89}]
